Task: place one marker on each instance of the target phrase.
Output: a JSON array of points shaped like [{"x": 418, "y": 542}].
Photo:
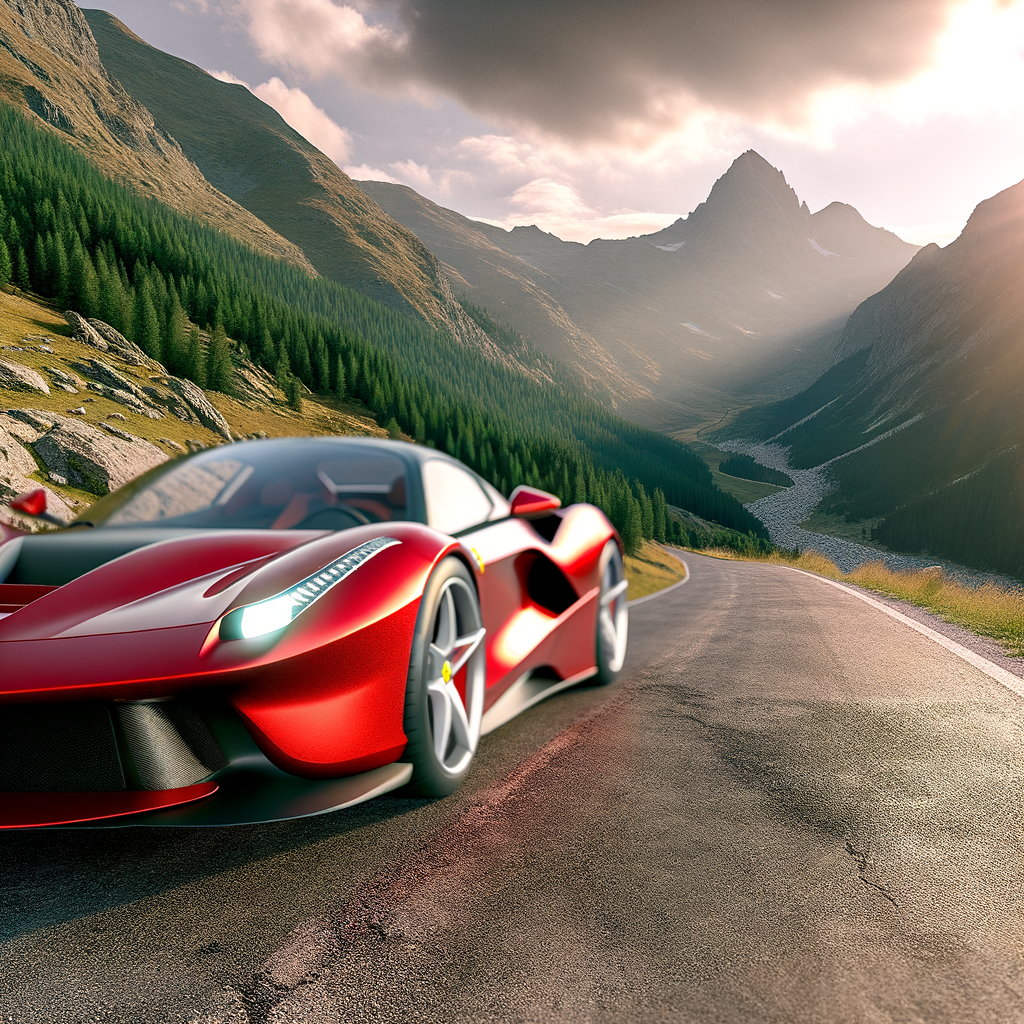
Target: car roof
[{"x": 405, "y": 449}]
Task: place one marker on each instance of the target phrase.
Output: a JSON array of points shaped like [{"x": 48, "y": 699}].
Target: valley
[{"x": 888, "y": 371}]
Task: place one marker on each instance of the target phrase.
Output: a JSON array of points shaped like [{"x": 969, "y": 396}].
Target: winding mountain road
[{"x": 790, "y": 808}]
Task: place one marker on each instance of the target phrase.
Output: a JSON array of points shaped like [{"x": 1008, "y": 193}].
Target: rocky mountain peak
[{"x": 60, "y": 27}]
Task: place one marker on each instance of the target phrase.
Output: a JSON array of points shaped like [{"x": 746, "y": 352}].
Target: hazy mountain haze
[{"x": 689, "y": 316}]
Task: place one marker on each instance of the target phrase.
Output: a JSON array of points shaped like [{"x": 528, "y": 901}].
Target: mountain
[
  {"x": 50, "y": 67},
  {"x": 722, "y": 304},
  {"x": 247, "y": 151},
  {"x": 922, "y": 409},
  {"x": 213, "y": 150}
]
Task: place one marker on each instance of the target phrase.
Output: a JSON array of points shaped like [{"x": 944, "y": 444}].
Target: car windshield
[{"x": 264, "y": 485}]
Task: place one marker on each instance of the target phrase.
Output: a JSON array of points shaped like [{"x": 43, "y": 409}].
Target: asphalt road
[{"x": 790, "y": 808}]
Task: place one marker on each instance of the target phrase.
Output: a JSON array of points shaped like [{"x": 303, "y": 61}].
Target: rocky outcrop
[
  {"x": 17, "y": 464},
  {"x": 208, "y": 416},
  {"x": 121, "y": 346},
  {"x": 84, "y": 332},
  {"x": 106, "y": 381},
  {"x": 21, "y": 378},
  {"x": 80, "y": 455},
  {"x": 65, "y": 381}
]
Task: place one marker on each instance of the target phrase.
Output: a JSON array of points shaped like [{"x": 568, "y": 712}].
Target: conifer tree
[
  {"x": 660, "y": 513},
  {"x": 283, "y": 370},
  {"x": 632, "y": 535},
  {"x": 339, "y": 377},
  {"x": 41, "y": 270},
  {"x": 148, "y": 327},
  {"x": 6, "y": 267},
  {"x": 21, "y": 275},
  {"x": 218, "y": 361},
  {"x": 293, "y": 390},
  {"x": 194, "y": 364},
  {"x": 60, "y": 270},
  {"x": 646, "y": 512}
]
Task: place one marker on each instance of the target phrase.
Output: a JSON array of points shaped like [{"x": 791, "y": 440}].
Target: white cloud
[
  {"x": 307, "y": 119},
  {"x": 366, "y": 173},
  {"x": 557, "y": 207},
  {"x": 299, "y": 111},
  {"x": 226, "y": 76}
]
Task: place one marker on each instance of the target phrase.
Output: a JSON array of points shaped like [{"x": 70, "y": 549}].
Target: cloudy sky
[{"x": 606, "y": 118}]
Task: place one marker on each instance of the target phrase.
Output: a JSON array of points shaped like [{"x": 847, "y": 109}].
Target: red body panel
[{"x": 24, "y": 810}]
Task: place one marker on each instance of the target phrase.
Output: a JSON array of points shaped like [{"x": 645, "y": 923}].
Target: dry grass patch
[
  {"x": 989, "y": 610},
  {"x": 652, "y": 569}
]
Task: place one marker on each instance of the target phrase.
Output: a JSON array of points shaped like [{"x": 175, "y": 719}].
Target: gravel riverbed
[{"x": 783, "y": 511}]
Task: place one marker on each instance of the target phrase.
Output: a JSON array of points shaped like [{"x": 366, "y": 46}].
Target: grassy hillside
[{"x": 50, "y": 70}]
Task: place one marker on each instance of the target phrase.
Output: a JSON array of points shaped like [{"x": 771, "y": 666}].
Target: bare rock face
[
  {"x": 121, "y": 346},
  {"x": 65, "y": 381},
  {"x": 251, "y": 383},
  {"x": 106, "y": 381},
  {"x": 79, "y": 454},
  {"x": 21, "y": 378},
  {"x": 201, "y": 405},
  {"x": 84, "y": 331},
  {"x": 16, "y": 463}
]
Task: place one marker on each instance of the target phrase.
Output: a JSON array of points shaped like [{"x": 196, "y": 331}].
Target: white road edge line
[
  {"x": 996, "y": 672},
  {"x": 667, "y": 590}
]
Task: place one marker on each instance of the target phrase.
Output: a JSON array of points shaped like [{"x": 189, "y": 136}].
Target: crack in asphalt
[
  {"x": 317, "y": 945},
  {"x": 863, "y": 861}
]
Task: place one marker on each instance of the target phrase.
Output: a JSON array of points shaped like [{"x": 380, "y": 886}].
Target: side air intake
[{"x": 168, "y": 746}]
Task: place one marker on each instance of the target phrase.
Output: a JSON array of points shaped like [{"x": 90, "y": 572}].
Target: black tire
[
  {"x": 441, "y": 760},
  {"x": 612, "y": 616}
]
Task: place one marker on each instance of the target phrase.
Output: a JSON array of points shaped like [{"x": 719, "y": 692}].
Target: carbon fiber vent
[
  {"x": 58, "y": 748},
  {"x": 160, "y": 757}
]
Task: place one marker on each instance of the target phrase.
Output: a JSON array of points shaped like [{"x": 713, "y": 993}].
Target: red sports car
[{"x": 286, "y": 627}]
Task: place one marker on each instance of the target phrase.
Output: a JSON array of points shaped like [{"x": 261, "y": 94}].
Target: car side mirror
[
  {"x": 33, "y": 504},
  {"x": 528, "y": 502}
]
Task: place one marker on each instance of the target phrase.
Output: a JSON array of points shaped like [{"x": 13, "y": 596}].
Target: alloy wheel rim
[
  {"x": 612, "y": 616},
  {"x": 456, "y": 647}
]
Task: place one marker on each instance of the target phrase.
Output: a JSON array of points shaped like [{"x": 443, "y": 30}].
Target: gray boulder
[
  {"x": 16, "y": 464},
  {"x": 201, "y": 405},
  {"x": 106, "y": 381},
  {"x": 65, "y": 381},
  {"x": 84, "y": 332},
  {"x": 121, "y": 346},
  {"x": 81, "y": 455},
  {"x": 16, "y": 377}
]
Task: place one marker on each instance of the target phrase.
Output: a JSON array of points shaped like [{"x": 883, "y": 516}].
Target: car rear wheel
[
  {"x": 444, "y": 695},
  {"x": 612, "y": 616}
]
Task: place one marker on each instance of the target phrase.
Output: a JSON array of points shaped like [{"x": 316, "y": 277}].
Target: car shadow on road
[{"x": 52, "y": 876}]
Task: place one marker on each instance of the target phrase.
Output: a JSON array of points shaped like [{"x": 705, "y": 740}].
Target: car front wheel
[{"x": 444, "y": 694}]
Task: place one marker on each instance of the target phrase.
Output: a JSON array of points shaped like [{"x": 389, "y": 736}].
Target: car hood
[{"x": 143, "y": 579}]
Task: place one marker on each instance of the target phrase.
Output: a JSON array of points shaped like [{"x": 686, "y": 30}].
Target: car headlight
[{"x": 276, "y": 612}]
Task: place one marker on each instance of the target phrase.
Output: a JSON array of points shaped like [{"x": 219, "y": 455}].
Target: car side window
[{"x": 455, "y": 500}]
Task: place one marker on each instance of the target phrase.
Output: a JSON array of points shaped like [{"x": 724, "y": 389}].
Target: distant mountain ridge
[
  {"x": 679, "y": 317},
  {"x": 247, "y": 151},
  {"x": 929, "y": 374}
]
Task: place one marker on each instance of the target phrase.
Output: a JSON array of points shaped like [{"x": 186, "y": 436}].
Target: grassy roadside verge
[
  {"x": 651, "y": 569},
  {"x": 989, "y": 610}
]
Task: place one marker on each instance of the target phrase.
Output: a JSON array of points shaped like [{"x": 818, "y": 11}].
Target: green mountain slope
[
  {"x": 245, "y": 149},
  {"x": 50, "y": 69},
  {"x": 147, "y": 270},
  {"x": 926, "y": 399}
]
